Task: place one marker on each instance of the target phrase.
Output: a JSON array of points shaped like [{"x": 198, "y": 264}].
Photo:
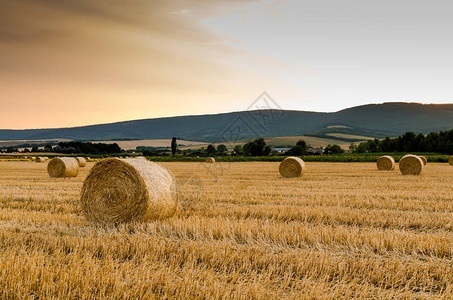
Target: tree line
[
  {"x": 85, "y": 148},
  {"x": 257, "y": 147},
  {"x": 438, "y": 142}
]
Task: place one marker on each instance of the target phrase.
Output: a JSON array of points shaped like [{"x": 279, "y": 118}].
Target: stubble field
[{"x": 341, "y": 231}]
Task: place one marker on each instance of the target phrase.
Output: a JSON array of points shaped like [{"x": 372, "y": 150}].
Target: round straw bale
[
  {"x": 424, "y": 160},
  {"x": 386, "y": 163},
  {"x": 450, "y": 161},
  {"x": 82, "y": 161},
  {"x": 126, "y": 190},
  {"x": 63, "y": 167},
  {"x": 292, "y": 167},
  {"x": 210, "y": 160},
  {"x": 411, "y": 165},
  {"x": 40, "y": 159}
]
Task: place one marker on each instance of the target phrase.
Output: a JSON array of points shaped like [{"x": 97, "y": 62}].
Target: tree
[
  {"x": 255, "y": 148},
  {"x": 302, "y": 144},
  {"x": 298, "y": 150},
  {"x": 267, "y": 150},
  {"x": 210, "y": 150},
  {"x": 11, "y": 150},
  {"x": 333, "y": 149},
  {"x": 222, "y": 149},
  {"x": 34, "y": 149},
  {"x": 48, "y": 148},
  {"x": 237, "y": 149},
  {"x": 174, "y": 145}
]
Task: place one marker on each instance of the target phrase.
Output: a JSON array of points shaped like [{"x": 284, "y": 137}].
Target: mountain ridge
[{"x": 375, "y": 120}]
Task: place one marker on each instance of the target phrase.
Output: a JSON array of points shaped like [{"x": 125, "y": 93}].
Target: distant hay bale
[
  {"x": 40, "y": 159},
  {"x": 292, "y": 167},
  {"x": 386, "y": 163},
  {"x": 210, "y": 160},
  {"x": 425, "y": 161},
  {"x": 450, "y": 161},
  {"x": 411, "y": 165},
  {"x": 63, "y": 167},
  {"x": 82, "y": 161},
  {"x": 127, "y": 190}
]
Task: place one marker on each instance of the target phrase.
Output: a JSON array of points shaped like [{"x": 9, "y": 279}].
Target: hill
[{"x": 376, "y": 120}]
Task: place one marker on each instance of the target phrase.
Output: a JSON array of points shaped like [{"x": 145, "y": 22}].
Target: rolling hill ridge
[{"x": 375, "y": 120}]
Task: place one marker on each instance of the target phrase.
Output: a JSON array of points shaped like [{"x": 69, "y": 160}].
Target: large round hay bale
[
  {"x": 411, "y": 165},
  {"x": 450, "y": 161},
  {"x": 292, "y": 167},
  {"x": 210, "y": 160},
  {"x": 63, "y": 167},
  {"x": 386, "y": 163},
  {"x": 126, "y": 190},
  {"x": 81, "y": 161},
  {"x": 40, "y": 159},
  {"x": 424, "y": 160}
]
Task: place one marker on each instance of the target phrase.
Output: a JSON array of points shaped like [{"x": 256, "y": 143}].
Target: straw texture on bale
[
  {"x": 386, "y": 163},
  {"x": 210, "y": 160},
  {"x": 292, "y": 167},
  {"x": 82, "y": 161},
  {"x": 450, "y": 161},
  {"x": 126, "y": 190},
  {"x": 63, "y": 167},
  {"x": 411, "y": 165},
  {"x": 424, "y": 160},
  {"x": 40, "y": 159}
]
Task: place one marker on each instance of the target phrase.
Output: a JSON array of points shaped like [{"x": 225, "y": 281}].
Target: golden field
[{"x": 341, "y": 231}]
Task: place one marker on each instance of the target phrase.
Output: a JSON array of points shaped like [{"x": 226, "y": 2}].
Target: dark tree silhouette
[{"x": 174, "y": 146}]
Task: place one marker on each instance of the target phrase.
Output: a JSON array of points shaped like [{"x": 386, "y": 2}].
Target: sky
[{"x": 78, "y": 62}]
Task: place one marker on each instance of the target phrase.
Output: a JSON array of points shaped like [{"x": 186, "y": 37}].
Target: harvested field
[{"x": 340, "y": 231}]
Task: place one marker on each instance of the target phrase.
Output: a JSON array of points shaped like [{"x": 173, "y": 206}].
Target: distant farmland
[{"x": 275, "y": 141}]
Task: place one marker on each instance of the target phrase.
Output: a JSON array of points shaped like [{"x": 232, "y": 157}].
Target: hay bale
[
  {"x": 292, "y": 167},
  {"x": 63, "y": 167},
  {"x": 411, "y": 165},
  {"x": 386, "y": 163},
  {"x": 450, "y": 161},
  {"x": 210, "y": 160},
  {"x": 40, "y": 159},
  {"x": 126, "y": 190},
  {"x": 424, "y": 160},
  {"x": 81, "y": 161}
]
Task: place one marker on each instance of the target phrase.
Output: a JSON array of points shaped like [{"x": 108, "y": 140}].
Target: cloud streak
[{"x": 103, "y": 60}]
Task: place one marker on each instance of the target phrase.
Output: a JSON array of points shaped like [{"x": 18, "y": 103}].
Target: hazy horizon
[
  {"x": 66, "y": 64},
  {"x": 219, "y": 113}
]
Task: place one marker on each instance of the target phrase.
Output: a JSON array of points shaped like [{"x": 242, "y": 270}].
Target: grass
[{"x": 341, "y": 231}]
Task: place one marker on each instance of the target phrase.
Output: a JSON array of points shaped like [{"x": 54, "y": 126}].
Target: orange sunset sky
[{"x": 80, "y": 62}]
